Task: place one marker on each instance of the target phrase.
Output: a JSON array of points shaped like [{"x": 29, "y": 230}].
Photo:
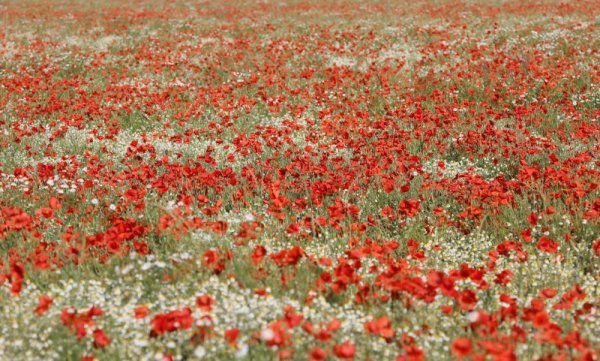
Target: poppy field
[{"x": 299, "y": 180}]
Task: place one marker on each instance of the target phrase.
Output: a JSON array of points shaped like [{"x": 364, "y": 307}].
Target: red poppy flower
[
  {"x": 172, "y": 321},
  {"x": 55, "y": 203},
  {"x": 409, "y": 208},
  {"x": 548, "y": 293},
  {"x": 45, "y": 213},
  {"x": 532, "y": 219},
  {"x": 204, "y": 303},
  {"x": 345, "y": 350},
  {"x": 545, "y": 244},
  {"x": 258, "y": 254},
  {"x": 467, "y": 300},
  {"x": 100, "y": 339},
  {"x": 462, "y": 347},
  {"x": 381, "y": 326},
  {"x": 317, "y": 354},
  {"x": 141, "y": 311},
  {"x": 43, "y": 304},
  {"x": 231, "y": 335}
]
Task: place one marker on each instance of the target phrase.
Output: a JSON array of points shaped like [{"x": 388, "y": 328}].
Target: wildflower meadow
[{"x": 299, "y": 180}]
